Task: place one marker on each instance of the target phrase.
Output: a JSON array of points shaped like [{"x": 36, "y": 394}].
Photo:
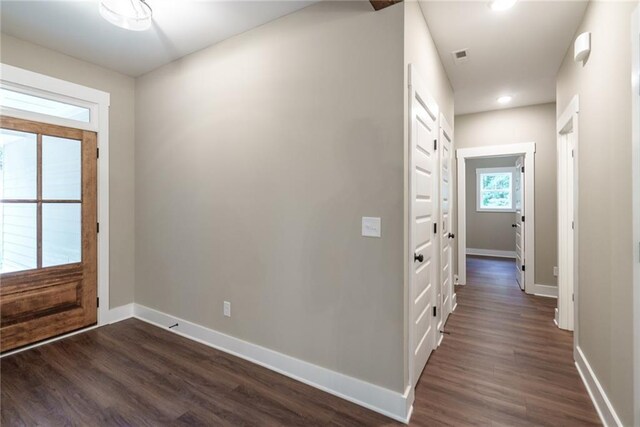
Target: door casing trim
[
  {"x": 526, "y": 149},
  {"x": 568, "y": 123},
  {"x": 635, "y": 141}
]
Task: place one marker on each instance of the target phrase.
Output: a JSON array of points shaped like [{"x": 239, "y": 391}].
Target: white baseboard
[
  {"x": 600, "y": 400},
  {"x": 119, "y": 313},
  {"x": 545, "y": 291},
  {"x": 393, "y": 404},
  {"x": 491, "y": 252}
]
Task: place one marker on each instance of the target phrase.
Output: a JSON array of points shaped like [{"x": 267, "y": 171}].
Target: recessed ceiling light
[
  {"x": 505, "y": 99},
  {"x": 499, "y": 5},
  {"x": 132, "y": 15}
]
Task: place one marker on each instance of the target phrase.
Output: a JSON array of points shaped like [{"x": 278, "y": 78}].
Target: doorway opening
[
  {"x": 496, "y": 210},
  {"x": 55, "y": 278},
  {"x": 567, "y": 136},
  {"x": 48, "y": 231}
]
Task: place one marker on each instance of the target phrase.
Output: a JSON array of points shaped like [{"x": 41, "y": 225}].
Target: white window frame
[
  {"x": 484, "y": 171},
  {"x": 29, "y": 82}
]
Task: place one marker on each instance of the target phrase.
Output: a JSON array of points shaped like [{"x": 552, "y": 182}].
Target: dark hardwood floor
[{"x": 503, "y": 364}]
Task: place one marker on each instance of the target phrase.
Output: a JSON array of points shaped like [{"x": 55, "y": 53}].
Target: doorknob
[
  {"x": 452, "y": 236},
  {"x": 514, "y": 225},
  {"x": 417, "y": 257}
]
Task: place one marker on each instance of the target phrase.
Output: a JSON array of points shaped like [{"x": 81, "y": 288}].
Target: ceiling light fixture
[
  {"x": 500, "y": 5},
  {"x": 134, "y": 15},
  {"x": 505, "y": 99}
]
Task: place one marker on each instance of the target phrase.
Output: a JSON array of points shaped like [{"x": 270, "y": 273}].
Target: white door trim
[
  {"x": 567, "y": 286},
  {"x": 527, "y": 149},
  {"x": 635, "y": 125},
  {"x": 98, "y": 102}
]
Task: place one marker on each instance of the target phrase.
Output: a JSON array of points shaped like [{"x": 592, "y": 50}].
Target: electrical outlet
[
  {"x": 555, "y": 271},
  {"x": 227, "y": 309}
]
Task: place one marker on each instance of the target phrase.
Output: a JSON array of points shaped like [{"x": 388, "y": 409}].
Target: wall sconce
[{"x": 582, "y": 47}]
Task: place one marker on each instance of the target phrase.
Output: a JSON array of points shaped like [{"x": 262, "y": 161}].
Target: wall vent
[{"x": 461, "y": 55}]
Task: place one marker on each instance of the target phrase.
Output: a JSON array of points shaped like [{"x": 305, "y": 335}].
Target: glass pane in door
[
  {"x": 18, "y": 165},
  {"x": 61, "y": 168},
  {"x": 61, "y": 233},
  {"x": 18, "y": 237}
]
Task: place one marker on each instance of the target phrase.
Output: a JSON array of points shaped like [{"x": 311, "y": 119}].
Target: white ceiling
[
  {"x": 516, "y": 52},
  {"x": 180, "y": 27}
]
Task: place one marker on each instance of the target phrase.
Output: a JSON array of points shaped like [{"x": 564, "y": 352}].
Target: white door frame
[
  {"x": 568, "y": 288},
  {"x": 98, "y": 102},
  {"x": 526, "y": 149},
  {"x": 635, "y": 138},
  {"x": 415, "y": 85}
]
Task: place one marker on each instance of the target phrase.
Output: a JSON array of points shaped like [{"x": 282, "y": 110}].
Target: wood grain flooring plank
[{"x": 504, "y": 364}]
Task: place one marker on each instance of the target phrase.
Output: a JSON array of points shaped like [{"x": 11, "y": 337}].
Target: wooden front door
[{"x": 48, "y": 226}]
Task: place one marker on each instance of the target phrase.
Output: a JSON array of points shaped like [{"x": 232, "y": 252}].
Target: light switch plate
[{"x": 371, "y": 226}]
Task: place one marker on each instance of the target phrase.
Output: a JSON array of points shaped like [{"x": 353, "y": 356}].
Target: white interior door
[
  {"x": 446, "y": 272},
  {"x": 423, "y": 222},
  {"x": 518, "y": 194},
  {"x": 570, "y": 274}
]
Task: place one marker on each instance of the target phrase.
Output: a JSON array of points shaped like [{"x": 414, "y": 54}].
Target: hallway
[{"x": 504, "y": 363}]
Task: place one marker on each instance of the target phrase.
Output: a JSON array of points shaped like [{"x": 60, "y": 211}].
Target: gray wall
[
  {"x": 537, "y": 124},
  {"x": 488, "y": 230},
  {"x": 604, "y": 225},
  {"x": 256, "y": 159},
  {"x": 121, "y": 147}
]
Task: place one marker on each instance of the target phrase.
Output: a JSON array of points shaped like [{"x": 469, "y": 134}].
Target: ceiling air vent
[{"x": 460, "y": 55}]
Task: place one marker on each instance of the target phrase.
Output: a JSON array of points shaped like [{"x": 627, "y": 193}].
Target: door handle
[
  {"x": 417, "y": 257},
  {"x": 452, "y": 236},
  {"x": 514, "y": 225}
]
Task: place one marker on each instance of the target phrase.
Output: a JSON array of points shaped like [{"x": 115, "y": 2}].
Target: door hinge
[
  {"x": 523, "y": 269},
  {"x": 97, "y": 227},
  {"x": 522, "y": 169},
  {"x": 435, "y": 311},
  {"x": 97, "y": 153},
  {"x": 435, "y": 228},
  {"x": 522, "y": 218},
  {"x": 435, "y": 144},
  {"x": 572, "y": 154},
  {"x": 573, "y": 297},
  {"x": 98, "y": 302},
  {"x": 573, "y": 225}
]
